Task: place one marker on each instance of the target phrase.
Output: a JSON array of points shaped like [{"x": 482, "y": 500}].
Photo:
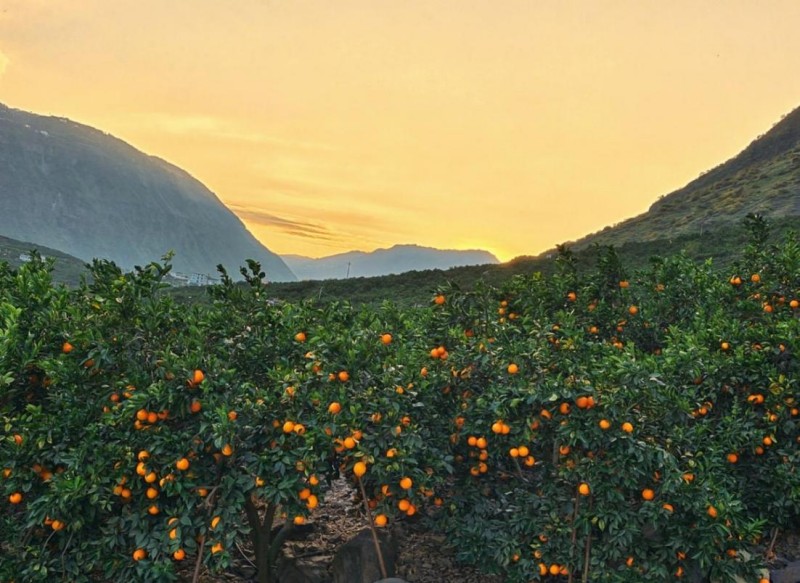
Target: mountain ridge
[
  {"x": 384, "y": 261},
  {"x": 80, "y": 190}
]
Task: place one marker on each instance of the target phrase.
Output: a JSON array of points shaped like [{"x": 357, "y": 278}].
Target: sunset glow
[{"x": 330, "y": 126}]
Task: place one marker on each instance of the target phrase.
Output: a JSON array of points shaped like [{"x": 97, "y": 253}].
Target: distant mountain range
[
  {"x": 397, "y": 259},
  {"x": 76, "y": 189}
]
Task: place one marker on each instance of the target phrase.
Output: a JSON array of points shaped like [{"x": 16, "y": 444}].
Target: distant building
[
  {"x": 198, "y": 279},
  {"x": 26, "y": 257},
  {"x": 201, "y": 279}
]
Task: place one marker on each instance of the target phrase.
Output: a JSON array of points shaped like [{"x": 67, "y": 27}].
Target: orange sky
[{"x": 327, "y": 125}]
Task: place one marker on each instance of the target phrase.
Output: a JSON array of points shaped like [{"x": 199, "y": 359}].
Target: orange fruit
[
  {"x": 300, "y": 337},
  {"x": 633, "y": 310},
  {"x": 386, "y": 339},
  {"x": 66, "y": 348},
  {"x": 215, "y": 522},
  {"x": 359, "y": 469},
  {"x": 381, "y": 520},
  {"x": 584, "y": 489},
  {"x": 668, "y": 507},
  {"x": 439, "y": 300},
  {"x": 216, "y": 548},
  {"x": 513, "y": 368},
  {"x": 173, "y": 534},
  {"x": 604, "y": 424},
  {"x": 732, "y": 458},
  {"x": 406, "y": 483},
  {"x": 198, "y": 377},
  {"x": 139, "y": 554},
  {"x": 648, "y": 494},
  {"x": 299, "y": 519},
  {"x": 227, "y": 450},
  {"x": 57, "y": 525},
  {"x": 153, "y": 509},
  {"x": 712, "y": 512},
  {"x": 523, "y": 451},
  {"x": 725, "y": 345},
  {"x": 334, "y": 408},
  {"x": 151, "y": 493},
  {"x": 232, "y": 415},
  {"x": 627, "y": 427},
  {"x": 15, "y": 498},
  {"x": 288, "y": 427},
  {"x": 182, "y": 464},
  {"x": 312, "y": 502},
  {"x": 629, "y": 561},
  {"x": 196, "y": 406},
  {"x": 344, "y": 376},
  {"x": 179, "y": 555},
  {"x": 755, "y": 278}
]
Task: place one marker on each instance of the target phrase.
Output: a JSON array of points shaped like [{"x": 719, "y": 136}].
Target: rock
[
  {"x": 357, "y": 562},
  {"x": 789, "y": 574},
  {"x": 294, "y": 571}
]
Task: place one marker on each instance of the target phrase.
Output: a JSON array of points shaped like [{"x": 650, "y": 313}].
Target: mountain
[
  {"x": 66, "y": 268},
  {"x": 71, "y": 187},
  {"x": 397, "y": 259},
  {"x": 764, "y": 178}
]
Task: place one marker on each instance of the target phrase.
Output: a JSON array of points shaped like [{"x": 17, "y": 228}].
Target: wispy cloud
[
  {"x": 220, "y": 128},
  {"x": 307, "y": 229}
]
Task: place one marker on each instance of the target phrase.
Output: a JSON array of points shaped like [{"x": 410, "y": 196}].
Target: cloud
[
  {"x": 305, "y": 229},
  {"x": 216, "y": 127}
]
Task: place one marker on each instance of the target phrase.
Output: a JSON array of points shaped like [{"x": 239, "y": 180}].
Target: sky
[{"x": 331, "y": 125}]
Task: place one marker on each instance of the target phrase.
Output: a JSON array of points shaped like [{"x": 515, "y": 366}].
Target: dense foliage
[{"x": 603, "y": 426}]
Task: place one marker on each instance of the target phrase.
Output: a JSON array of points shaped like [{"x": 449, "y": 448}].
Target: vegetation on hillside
[{"x": 610, "y": 424}]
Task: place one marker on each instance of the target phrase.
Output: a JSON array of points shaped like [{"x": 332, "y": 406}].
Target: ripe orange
[
  {"x": 151, "y": 493},
  {"x": 344, "y": 376},
  {"x": 386, "y": 339},
  {"x": 66, "y": 348},
  {"x": 196, "y": 406},
  {"x": 513, "y": 368},
  {"x": 439, "y": 300},
  {"x": 334, "y": 408},
  {"x": 627, "y": 427},
  {"x": 513, "y": 452},
  {"x": 216, "y": 548},
  {"x": 629, "y": 561},
  {"x": 725, "y": 345},
  {"x": 712, "y": 512},
  {"x": 299, "y": 519},
  {"x": 288, "y": 427},
  {"x": 227, "y": 450},
  {"x": 604, "y": 424},
  {"x": 179, "y": 555},
  {"x": 648, "y": 494},
  {"x": 312, "y": 502},
  {"x": 359, "y": 469},
  {"x": 197, "y": 377},
  {"x": 523, "y": 451},
  {"x": 381, "y": 520},
  {"x": 755, "y": 278},
  {"x": 406, "y": 483},
  {"x": 15, "y": 498},
  {"x": 481, "y": 443},
  {"x": 153, "y": 509},
  {"x": 300, "y": 337},
  {"x": 232, "y": 415},
  {"x": 214, "y": 522},
  {"x": 182, "y": 464},
  {"x": 572, "y": 296},
  {"x": 139, "y": 554},
  {"x": 582, "y": 403},
  {"x": 57, "y": 525},
  {"x": 150, "y": 477},
  {"x": 584, "y": 489},
  {"x": 633, "y": 310},
  {"x": 732, "y": 458},
  {"x": 668, "y": 507}
]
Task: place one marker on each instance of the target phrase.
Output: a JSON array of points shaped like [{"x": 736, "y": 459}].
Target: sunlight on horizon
[{"x": 332, "y": 127}]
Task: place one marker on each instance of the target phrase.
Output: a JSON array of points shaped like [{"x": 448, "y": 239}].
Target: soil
[{"x": 423, "y": 556}]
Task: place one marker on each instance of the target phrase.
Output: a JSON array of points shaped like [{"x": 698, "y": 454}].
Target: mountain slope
[
  {"x": 397, "y": 259},
  {"x": 764, "y": 178},
  {"x": 73, "y": 188}
]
